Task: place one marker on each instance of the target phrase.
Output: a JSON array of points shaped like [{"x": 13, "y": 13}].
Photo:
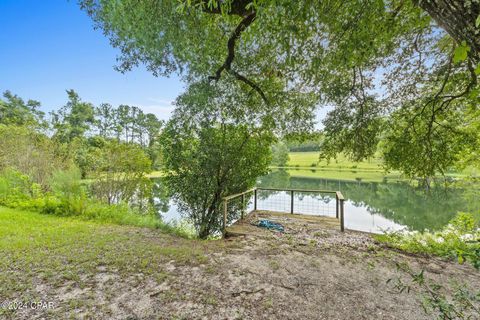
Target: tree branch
[
  {"x": 249, "y": 82},
  {"x": 227, "y": 65},
  {"x": 236, "y": 7},
  {"x": 231, "y": 45}
]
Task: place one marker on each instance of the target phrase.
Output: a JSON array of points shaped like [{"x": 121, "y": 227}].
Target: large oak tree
[{"x": 400, "y": 75}]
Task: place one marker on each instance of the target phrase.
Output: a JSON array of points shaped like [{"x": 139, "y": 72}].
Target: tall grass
[
  {"x": 69, "y": 197},
  {"x": 459, "y": 240}
]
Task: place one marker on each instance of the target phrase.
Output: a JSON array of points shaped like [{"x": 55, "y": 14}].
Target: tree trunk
[
  {"x": 457, "y": 17},
  {"x": 204, "y": 231}
]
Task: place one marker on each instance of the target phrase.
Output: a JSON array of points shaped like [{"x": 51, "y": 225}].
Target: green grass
[
  {"x": 348, "y": 175},
  {"x": 308, "y": 165},
  {"x": 52, "y": 251},
  {"x": 311, "y": 159}
]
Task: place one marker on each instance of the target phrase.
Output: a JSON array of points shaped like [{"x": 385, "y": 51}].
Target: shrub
[
  {"x": 120, "y": 173},
  {"x": 69, "y": 198},
  {"x": 460, "y": 239},
  {"x": 29, "y": 152},
  {"x": 17, "y": 190}
]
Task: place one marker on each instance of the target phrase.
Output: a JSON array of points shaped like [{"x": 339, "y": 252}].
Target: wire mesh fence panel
[
  {"x": 315, "y": 203},
  {"x": 269, "y": 200},
  {"x": 310, "y": 202},
  {"x": 239, "y": 206}
]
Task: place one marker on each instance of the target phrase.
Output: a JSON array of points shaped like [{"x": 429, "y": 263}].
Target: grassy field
[
  {"x": 348, "y": 175},
  {"x": 88, "y": 270},
  {"x": 311, "y": 160},
  {"x": 42, "y": 253},
  {"x": 308, "y": 165}
]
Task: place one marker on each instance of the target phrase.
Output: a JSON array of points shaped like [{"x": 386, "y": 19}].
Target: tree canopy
[
  {"x": 397, "y": 72},
  {"x": 209, "y": 151},
  {"x": 15, "y": 111}
]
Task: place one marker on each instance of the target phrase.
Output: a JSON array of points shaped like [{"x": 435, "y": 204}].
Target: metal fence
[{"x": 295, "y": 201}]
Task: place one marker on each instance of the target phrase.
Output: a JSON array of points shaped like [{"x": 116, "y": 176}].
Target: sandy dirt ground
[{"x": 307, "y": 272}]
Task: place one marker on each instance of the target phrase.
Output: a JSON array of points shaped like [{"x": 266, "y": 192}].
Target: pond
[{"x": 369, "y": 206}]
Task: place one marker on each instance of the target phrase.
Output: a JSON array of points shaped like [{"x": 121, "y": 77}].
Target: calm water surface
[{"x": 369, "y": 206}]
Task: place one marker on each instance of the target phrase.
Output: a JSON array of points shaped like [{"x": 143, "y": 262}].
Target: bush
[
  {"x": 120, "y": 170},
  {"x": 29, "y": 152},
  {"x": 460, "y": 240},
  {"x": 17, "y": 190},
  {"x": 68, "y": 197}
]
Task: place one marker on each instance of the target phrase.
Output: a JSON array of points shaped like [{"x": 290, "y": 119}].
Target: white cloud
[
  {"x": 162, "y": 108},
  {"x": 162, "y": 112}
]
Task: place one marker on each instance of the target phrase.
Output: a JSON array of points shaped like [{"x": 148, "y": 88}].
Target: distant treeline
[
  {"x": 81, "y": 128},
  {"x": 313, "y": 143}
]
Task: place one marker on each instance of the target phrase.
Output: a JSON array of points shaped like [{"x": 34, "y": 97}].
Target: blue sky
[{"x": 48, "y": 46}]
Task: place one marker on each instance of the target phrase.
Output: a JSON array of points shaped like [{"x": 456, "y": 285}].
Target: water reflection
[
  {"x": 372, "y": 206},
  {"x": 369, "y": 206}
]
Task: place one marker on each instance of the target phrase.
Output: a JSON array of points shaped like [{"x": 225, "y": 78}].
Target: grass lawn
[
  {"x": 89, "y": 270},
  {"x": 308, "y": 165},
  {"x": 311, "y": 159},
  {"x": 42, "y": 256},
  {"x": 348, "y": 175}
]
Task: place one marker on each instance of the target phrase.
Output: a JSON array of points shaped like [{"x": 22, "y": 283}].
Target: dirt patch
[{"x": 308, "y": 272}]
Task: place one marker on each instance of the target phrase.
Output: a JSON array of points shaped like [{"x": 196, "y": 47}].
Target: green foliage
[
  {"x": 15, "y": 111},
  {"x": 308, "y": 144},
  {"x": 30, "y": 152},
  {"x": 120, "y": 170},
  {"x": 210, "y": 152},
  {"x": 69, "y": 198},
  {"x": 73, "y": 119},
  {"x": 461, "y": 52},
  {"x": 80, "y": 129},
  {"x": 280, "y": 154},
  {"x": 464, "y": 303},
  {"x": 403, "y": 72},
  {"x": 17, "y": 190},
  {"x": 460, "y": 240}
]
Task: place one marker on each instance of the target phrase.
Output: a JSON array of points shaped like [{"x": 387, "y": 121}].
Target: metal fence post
[
  {"x": 243, "y": 206},
  {"x": 224, "y": 217},
  {"x": 255, "y": 200},
  {"x": 337, "y": 204},
  {"x": 342, "y": 218},
  {"x": 291, "y": 202}
]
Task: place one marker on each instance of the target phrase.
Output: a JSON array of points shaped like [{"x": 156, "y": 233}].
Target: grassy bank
[
  {"x": 308, "y": 165},
  {"x": 91, "y": 270},
  {"x": 42, "y": 255},
  {"x": 311, "y": 160}
]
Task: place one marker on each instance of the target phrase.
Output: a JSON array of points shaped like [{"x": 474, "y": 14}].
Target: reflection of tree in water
[
  {"x": 275, "y": 179},
  {"x": 398, "y": 201},
  {"x": 159, "y": 197},
  {"x": 281, "y": 179}
]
